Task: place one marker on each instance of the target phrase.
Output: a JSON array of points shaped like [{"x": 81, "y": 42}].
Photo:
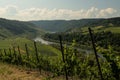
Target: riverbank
[{"x": 81, "y": 48}]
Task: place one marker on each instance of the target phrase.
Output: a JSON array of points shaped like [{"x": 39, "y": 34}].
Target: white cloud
[
  {"x": 2, "y": 11},
  {"x": 14, "y": 12},
  {"x": 9, "y": 12},
  {"x": 105, "y": 12}
]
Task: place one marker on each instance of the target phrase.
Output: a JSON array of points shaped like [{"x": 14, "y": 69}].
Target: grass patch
[
  {"x": 42, "y": 49},
  {"x": 102, "y": 28}
]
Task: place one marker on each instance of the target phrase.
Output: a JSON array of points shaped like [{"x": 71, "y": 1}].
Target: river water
[{"x": 39, "y": 39}]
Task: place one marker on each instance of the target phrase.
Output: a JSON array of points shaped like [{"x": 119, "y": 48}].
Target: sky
[{"x": 26, "y": 10}]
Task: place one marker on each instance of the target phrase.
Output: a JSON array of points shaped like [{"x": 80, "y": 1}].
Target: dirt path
[{"x": 11, "y": 72}]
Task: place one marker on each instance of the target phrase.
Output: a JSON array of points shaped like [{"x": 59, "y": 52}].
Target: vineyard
[{"x": 66, "y": 61}]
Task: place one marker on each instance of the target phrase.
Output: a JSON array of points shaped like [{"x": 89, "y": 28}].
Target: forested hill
[
  {"x": 10, "y": 28},
  {"x": 63, "y": 25}
]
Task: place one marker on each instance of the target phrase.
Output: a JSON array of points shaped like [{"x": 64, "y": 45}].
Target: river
[{"x": 39, "y": 39}]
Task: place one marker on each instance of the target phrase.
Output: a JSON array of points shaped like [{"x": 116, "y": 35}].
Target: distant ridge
[{"x": 63, "y": 25}]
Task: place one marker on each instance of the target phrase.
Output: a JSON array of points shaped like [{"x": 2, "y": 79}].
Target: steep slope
[
  {"x": 63, "y": 25},
  {"x": 12, "y": 72},
  {"x": 9, "y": 28}
]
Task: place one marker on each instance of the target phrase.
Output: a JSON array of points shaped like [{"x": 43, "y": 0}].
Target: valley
[{"x": 31, "y": 45}]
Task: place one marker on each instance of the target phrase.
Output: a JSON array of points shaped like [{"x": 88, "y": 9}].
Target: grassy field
[
  {"x": 42, "y": 49},
  {"x": 102, "y": 28},
  {"x": 113, "y": 29}
]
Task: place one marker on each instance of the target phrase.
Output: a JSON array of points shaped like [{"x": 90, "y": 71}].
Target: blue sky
[{"x": 58, "y": 9}]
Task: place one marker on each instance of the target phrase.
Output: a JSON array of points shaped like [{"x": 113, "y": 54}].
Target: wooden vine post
[
  {"x": 28, "y": 56},
  {"x": 96, "y": 56},
  {"x": 63, "y": 58},
  {"x": 5, "y": 52},
  {"x": 20, "y": 58},
  {"x": 10, "y": 52},
  {"x": 36, "y": 53}
]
